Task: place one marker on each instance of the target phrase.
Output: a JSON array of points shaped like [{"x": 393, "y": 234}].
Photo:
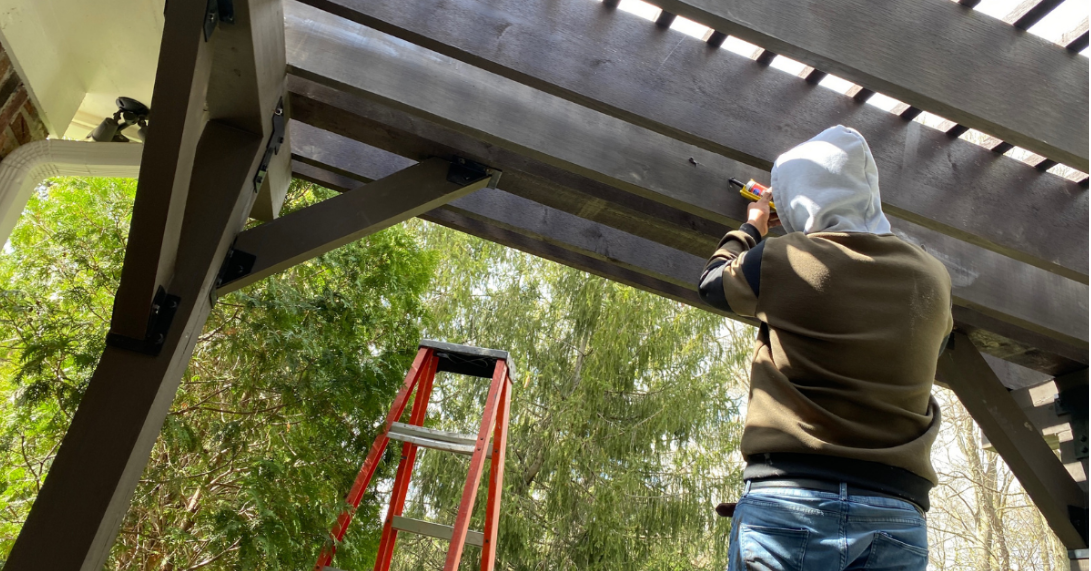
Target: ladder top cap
[{"x": 468, "y": 360}]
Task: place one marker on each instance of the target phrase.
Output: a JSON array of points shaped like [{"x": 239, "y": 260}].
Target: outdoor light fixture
[{"x": 129, "y": 112}]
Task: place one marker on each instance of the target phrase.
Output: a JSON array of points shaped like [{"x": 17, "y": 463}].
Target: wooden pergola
[{"x": 594, "y": 138}]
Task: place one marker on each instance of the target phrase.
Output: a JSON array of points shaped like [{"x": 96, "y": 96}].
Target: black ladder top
[{"x": 467, "y": 360}]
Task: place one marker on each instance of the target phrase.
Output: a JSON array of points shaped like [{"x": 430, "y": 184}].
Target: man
[{"x": 840, "y": 420}]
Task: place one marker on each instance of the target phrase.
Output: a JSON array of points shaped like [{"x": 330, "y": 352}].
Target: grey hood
[{"x": 829, "y": 184}]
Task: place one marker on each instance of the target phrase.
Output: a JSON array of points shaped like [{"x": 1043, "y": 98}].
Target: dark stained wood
[
  {"x": 978, "y": 295},
  {"x": 692, "y": 94},
  {"x": 957, "y": 131},
  {"x": 80, "y": 507},
  {"x": 1037, "y": 11},
  {"x": 1006, "y": 426},
  {"x": 665, "y": 19},
  {"x": 1078, "y": 44},
  {"x": 248, "y": 81},
  {"x": 1035, "y": 99},
  {"x": 330, "y": 224},
  {"x": 178, "y": 99}
]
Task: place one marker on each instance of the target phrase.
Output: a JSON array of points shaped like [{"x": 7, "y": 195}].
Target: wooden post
[{"x": 87, "y": 492}]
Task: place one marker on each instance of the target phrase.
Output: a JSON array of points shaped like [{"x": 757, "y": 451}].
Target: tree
[
  {"x": 625, "y": 416},
  {"x": 287, "y": 387},
  {"x": 981, "y": 518}
]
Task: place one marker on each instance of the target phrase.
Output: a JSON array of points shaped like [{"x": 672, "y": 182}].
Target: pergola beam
[
  {"x": 934, "y": 55},
  {"x": 594, "y": 151},
  {"x": 308, "y": 233},
  {"x": 714, "y": 100},
  {"x": 978, "y": 292}
]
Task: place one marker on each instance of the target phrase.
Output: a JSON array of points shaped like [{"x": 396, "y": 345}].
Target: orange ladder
[{"x": 462, "y": 359}]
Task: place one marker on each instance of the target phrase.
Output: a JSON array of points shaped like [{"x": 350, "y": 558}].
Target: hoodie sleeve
[{"x": 732, "y": 277}]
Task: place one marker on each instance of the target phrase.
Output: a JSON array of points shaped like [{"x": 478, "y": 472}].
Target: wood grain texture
[
  {"x": 956, "y": 63},
  {"x": 642, "y": 251},
  {"x": 676, "y": 89}
]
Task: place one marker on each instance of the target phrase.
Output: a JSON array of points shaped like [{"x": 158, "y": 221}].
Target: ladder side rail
[
  {"x": 359, "y": 486},
  {"x": 496, "y": 479},
  {"x": 477, "y": 464},
  {"x": 405, "y": 468}
]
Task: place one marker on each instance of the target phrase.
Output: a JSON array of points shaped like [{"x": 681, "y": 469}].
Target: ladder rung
[
  {"x": 435, "y": 439},
  {"x": 436, "y": 530}
]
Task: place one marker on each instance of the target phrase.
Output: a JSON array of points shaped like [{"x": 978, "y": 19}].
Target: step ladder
[{"x": 436, "y": 356}]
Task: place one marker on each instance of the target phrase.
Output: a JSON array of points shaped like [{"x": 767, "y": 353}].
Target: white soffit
[{"x": 78, "y": 56}]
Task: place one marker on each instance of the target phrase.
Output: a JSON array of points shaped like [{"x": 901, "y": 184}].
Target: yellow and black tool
[{"x": 751, "y": 191}]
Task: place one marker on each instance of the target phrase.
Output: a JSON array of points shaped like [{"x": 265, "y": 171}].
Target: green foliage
[
  {"x": 281, "y": 401},
  {"x": 623, "y": 416},
  {"x": 624, "y": 412}
]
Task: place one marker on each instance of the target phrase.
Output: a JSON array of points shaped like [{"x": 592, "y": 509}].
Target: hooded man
[{"x": 840, "y": 420}]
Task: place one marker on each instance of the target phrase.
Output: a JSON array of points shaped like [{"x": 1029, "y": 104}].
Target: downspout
[{"x": 27, "y": 166}]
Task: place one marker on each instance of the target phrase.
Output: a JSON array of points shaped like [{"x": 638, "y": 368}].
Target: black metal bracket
[
  {"x": 463, "y": 172},
  {"x": 1078, "y": 516},
  {"x": 276, "y": 138},
  {"x": 164, "y": 306},
  {"x": 1073, "y": 401},
  {"x": 217, "y": 11},
  {"x": 236, "y": 265}
]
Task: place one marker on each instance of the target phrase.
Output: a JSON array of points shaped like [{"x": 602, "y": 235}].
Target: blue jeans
[{"x": 788, "y": 529}]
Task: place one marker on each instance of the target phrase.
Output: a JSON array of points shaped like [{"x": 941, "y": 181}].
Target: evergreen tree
[
  {"x": 625, "y": 415},
  {"x": 288, "y": 384}
]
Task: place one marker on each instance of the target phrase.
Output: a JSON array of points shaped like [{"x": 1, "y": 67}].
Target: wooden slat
[
  {"x": 436, "y": 530},
  {"x": 1031, "y": 12},
  {"x": 536, "y": 220},
  {"x": 1014, "y": 437},
  {"x": 689, "y": 95},
  {"x": 332, "y": 223},
  {"x": 80, "y": 507},
  {"x": 935, "y": 55}
]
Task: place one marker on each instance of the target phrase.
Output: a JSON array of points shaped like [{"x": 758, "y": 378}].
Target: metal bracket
[
  {"x": 1074, "y": 401},
  {"x": 464, "y": 172},
  {"x": 236, "y": 264},
  {"x": 164, "y": 306},
  {"x": 218, "y": 11},
  {"x": 276, "y": 138},
  {"x": 1078, "y": 516}
]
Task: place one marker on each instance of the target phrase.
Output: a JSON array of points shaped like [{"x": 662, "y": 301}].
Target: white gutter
[{"x": 26, "y": 167}]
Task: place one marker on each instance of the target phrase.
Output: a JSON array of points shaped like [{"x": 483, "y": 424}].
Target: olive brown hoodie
[{"x": 852, "y": 322}]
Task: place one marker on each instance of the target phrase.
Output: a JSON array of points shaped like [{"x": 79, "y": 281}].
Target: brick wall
[{"x": 19, "y": 119}]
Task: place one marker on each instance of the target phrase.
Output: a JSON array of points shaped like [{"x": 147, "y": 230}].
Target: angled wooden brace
[
  {"x": 332, "y": 223},
  {"x": 1061, "y": 500}
]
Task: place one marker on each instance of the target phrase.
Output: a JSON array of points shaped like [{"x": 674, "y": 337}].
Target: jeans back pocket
[
  {"x": 890, "y": 554},
  {"x": 772, "y": 548}
]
